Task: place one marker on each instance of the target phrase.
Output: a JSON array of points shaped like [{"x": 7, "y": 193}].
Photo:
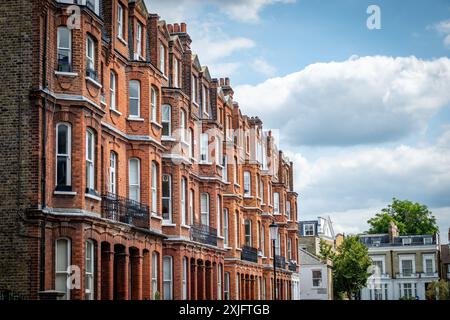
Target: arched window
[
  {"x": 166, "y": 120},
  {"x": 204, "y": 202},
  {"x": 90, "y": 161},
  {"x": 167, "y": 198},
  {"x": 64, "y": 43},
  {"x": 154, "y": 104},
  {"x": 135, "y": 99},
  {"x": 135, "y": 179},
  {"x": 63, "y": 154},
  {"x": 62, "y": 263}
]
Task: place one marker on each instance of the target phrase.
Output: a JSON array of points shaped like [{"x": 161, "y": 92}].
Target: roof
[{"x": 382, "y": 240}]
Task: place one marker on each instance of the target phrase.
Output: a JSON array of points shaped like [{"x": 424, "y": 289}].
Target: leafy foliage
[
  {"x": 438, "y": 290},
  {"x": 326, "y": 251},
  {"x": 410, "y": 218},
  {"x": 350, "y": 267}
]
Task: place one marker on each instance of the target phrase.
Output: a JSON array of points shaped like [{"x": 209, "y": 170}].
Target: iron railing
[
  {"x": 292, "y": 266},
  {"x": 125, "y": 210},
  {"x": 249, "y": 254},
  {"x": 280, "y": 261},
  {"x": 203, "y": 234}
]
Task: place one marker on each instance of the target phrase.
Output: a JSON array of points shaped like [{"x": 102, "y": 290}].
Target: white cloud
[
  {"x": 262, "y": 66},
  {"x": 246, "y": 11},
  {"x": 443, "y": 28},
  {"x": 363, "y": 100}
]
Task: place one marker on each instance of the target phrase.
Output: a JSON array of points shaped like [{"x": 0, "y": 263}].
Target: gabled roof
[
  {"x": 196, "y": 62},
  {"x": 307, "y": 258},
  {"x": 177, "y": 41},
  {"x": 206, "y": 73},
  {"x": 140, "y": 5}
]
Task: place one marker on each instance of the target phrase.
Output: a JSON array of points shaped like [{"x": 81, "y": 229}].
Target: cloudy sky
[{"x": 364, "y": 114}]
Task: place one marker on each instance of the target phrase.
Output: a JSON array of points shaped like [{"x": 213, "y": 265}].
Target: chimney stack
[
  {"x": 222, "y": 83},
  {"x": 183, "y": 27},
  {"x": 393, "y": 231},
  {"x": 176, "y": 28},
  {"x": 170, "y": 28}
]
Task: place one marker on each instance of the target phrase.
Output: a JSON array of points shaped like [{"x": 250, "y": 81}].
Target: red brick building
[{"x": 143, "y": 180}]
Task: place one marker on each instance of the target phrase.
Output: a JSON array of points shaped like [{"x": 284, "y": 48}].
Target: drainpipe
[{"x": 44, "y": 157}]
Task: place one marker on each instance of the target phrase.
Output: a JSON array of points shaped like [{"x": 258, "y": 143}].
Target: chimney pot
[
  {"x": 227, "y": 81},
  {"x": 183, "y": 27},
  {"x": 176, "y": 28},
  {"x": 222, "y": 82},
  {"x": 170, "y": 28}
]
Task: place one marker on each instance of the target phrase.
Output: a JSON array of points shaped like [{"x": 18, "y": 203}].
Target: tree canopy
[
  {"x": 350, "y": 267},
  {"x": 410, "y": 218}
]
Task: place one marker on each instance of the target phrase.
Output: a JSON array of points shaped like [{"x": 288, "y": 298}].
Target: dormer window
[
  {"x": 406, "y": 241},
  {"x": 308, "y": 229},
  {"x": 427, "y": 240},
  {"x": 138, "y": 54}
]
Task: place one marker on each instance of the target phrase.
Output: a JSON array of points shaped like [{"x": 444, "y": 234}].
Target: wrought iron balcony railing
[
  {"x": 249, "y": 254},
  {"x": 292, "y": 266},
  {"x": 203, "y": 234},
  {"x": 125, "y": 210},
  {"x": 280, "y": 261}
]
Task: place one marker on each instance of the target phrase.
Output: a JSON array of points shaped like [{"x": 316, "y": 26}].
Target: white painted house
[{"x": 315, "y": 277}]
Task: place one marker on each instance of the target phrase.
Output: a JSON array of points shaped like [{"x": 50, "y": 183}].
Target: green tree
[
  {"x": 438, "y": 290},
  {"x": 410, "y": 218},
  {"x": 326, "y": 251},
  {"x": 350, "y": 267}
]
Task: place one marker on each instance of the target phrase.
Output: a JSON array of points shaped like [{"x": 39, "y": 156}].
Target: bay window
[
  {"x": 112, "y": 172},
  {"x": 204, "y": 139},
  {"x": 135, "y": 99},
  {"x": 225, "y": 228},
  {"x": 155, "y": 272},
  {"x": 167, "y": 120},
  {"x": 247, "y": 183},
  {"x": 248, "y": 233},
  {"x": 112, "y": 91},
  {"x": 185, "y": 275},
  {"x": 154, "y": 104},
  {"x": 183, "y": 126},
  {"x": 138, "y": 53},
  {"x": 64, "y": 44},
  {"x": 120, "y": 24},
  {"x": 183, "y": 201},
  {"x": 62, "y": 263},
  {"x": 90, "y": 58},
  {"x": 276, "y": 203},
  {"x": 154, "y": 188},
  {"x": 168, "y": 277},
  {"x": 90, "y": 161},
  {"x": 219, "y": 217},
  {"x": 89, "y": 270}
]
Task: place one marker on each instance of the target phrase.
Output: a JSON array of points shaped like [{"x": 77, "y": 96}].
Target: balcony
[
  {"x": 203, "y": 234},
  {"x": 280, "y": 262},
  {"x": 429, "y": 275},
  {"x": 125, "y": 210},
  {"x": 292, "y": 266},
  {"x": 377, "y": 275},
  {"x": 249, "y": 254}
]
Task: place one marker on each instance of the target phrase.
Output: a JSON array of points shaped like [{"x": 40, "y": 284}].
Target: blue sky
[{"x": 364, "y": 114}]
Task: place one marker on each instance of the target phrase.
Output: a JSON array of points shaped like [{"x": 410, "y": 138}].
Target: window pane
[
  {"x": 64, "y": 37},
  {"x": 134, "y": 177},
  {"x": 62, "y": 255}
]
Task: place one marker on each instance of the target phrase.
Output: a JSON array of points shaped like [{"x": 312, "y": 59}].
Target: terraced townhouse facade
[{"x": 133, "y": 174}]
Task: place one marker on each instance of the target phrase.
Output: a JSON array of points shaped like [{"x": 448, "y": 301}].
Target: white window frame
[
  {"x": 185, "y": 275},
  {"x": 306, "y": 231},
  {"x": 61, "y": 272},
  {"x": 120, "y": 24},
  {"x": 276, "y": 203},
  {"x": 320, "y": 279},
  {"x": 175, "y": 72},
  {"x": 263, "y": 240},
  {"x": 90, "y": 162},
  {"x": 289, "y": 248},
  {"x": 112, "y": 90},
  {"x": 139, "y": 41},
  {"x": 166, "y": 119},
  {"x": 138, "y": 99},
  {"x": 112, "y": 173},
  {"x": 431, "y": 257},
  {"x": 226, "y": 284},
  {"x": 226, "y": 220},
  {"x": 155, "y": 273},
  {"x": 225, "y": 168},
  {"x": 162, "y": 59},
  {"x": 154, "y": 102},
  {"x": 168, "y": 282},
  {"x": 90, "y": 54},
  {"x": 191, "y": 206},
  {"x": 194, "y": 89},
  {"x": 183, "y": 125},
  {"x": 288, "y": 210},
  {"x": 204, "y": 150},
  {"x": 169, "y": 197},
  {"x": 204, "y": 208},
  {"x": 219, "y": 281},
  {"x": 411, "y": 258},
  {"x": 219, "y": 216},
  {"x": 183, "y": 201},
  {"x": 383, "y": 264},
  {"x": 191, "y": 143},
  {"x": 59, "y": 47},
  {"x": 134, "y": 187},
  {"x": 67, "y": 155},
  {"x": 248, "y": 236},
  {"x": 154, "y": 188},
  {"x": 247, "y": 184},
  {"x": 89, "y": 274}
]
